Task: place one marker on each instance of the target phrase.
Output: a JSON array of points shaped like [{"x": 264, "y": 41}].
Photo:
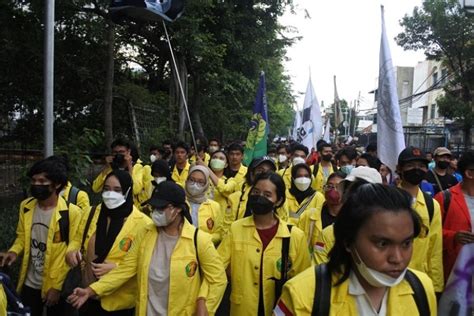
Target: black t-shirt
[
  {"x": 326, "y": 218},
  {"x": 229, "y": 173},
  {"x": 446, "y": 181}
]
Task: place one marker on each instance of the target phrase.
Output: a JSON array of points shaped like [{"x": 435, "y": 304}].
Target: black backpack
[{"x": 322, "y": 295}]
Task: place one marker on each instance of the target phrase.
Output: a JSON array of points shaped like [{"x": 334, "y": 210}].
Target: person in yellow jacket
[
  {"x": 200, "y": 155},
  {"x": 428, "y": 247},
  {"x": 314, "y": 221},
  {"x": 301, "y": 197},
  {"x": 238, "y": 199},
  {"x": 46, "y": 224},
  {"x": 177, "y": 268},
  {"x": 221, "y": 186},
  {"x": 236, "y": 170},
  {"x": 180, "y": 170},
  {"x": 113, "y": 228},
  {"x": 206, "y": 214},
  {"x": 367, "y": 273},
  {"x": 322, "y": 170},
  {"x": 254, "y": 253},
  {"x": 122, "y": 159},
  {"x": 299, "y": 153}
]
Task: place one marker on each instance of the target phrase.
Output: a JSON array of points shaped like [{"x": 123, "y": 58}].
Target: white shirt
[
  {"x": 470, "y": 206},
  {"x": 39, "y": 241},
  {"x": 364, "y": 306},
  {"x": 195, "y": 214}
]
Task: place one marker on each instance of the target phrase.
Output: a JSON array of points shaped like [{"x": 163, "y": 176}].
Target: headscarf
[
  {"x": 300, "y": 195},
  {"x": 106, "y": 238},
  {"x": 200, "y": 198}
]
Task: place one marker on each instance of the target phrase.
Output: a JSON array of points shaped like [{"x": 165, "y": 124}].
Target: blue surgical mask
[{"x": 347, "y": 169}]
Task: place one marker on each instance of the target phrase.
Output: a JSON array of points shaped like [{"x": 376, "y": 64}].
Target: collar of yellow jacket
[
  {"x": 187, "y": 231},
  {"x": 61, "y": 206},
  {"x": 282, "y": 231},
  {"x": 342, "y": 291}
]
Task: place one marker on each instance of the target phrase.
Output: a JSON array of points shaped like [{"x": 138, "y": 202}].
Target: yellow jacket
[
  {"x": 298, "y": 295},
  {"x": 238, "y": 205},
  {"x": 185, "y": 278},
  {"x": 317, "y": 201},
  {"x": 82, "y": 197},
  {"x": 180, "y": 178},
  {"x": 428, "y": 248},
  {"x": 286, "y": 175},
  {"x": 3, "y": 302},
  {"x": 55, "y": 267},
  {"x": 320, "y": 180},
  {"x": 210, "y": 218},
  {"x": 312, "y": 226},
  {"x": 220, "y": 192},
  {"x": 123, "y": 297},
  {"x": 137, "y": 178},
  {"x": 324, "y": 245},
  {"x": 240, "y": 176},
  {"x": 241, "y": 249},
  {"x": 207, "y": 157}
]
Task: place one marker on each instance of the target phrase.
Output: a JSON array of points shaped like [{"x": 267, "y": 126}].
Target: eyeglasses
[
  {"x": 200, "y": 183},
  {"x": 328, "y": 187}
]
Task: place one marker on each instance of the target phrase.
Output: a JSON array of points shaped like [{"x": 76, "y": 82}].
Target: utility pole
[{"x": 48, "y": 71}]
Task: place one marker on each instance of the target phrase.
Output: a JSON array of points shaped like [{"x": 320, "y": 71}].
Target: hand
[
  {"x": 79, "y": 296},
  {"x": 201, "y": 308},
  {"x": 464, "y": 237},
  {"x": 128, "y": 160},
  {"x": 100, "y": 269},
  {"x": 109, "y": 159},
  {"x": 52, "y": 297},
  {"x": 73, "y": 258},
  {"x": 7, "y": 258}
]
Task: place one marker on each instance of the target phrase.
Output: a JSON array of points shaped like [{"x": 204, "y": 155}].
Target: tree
[{"x": 445, "y": 32}]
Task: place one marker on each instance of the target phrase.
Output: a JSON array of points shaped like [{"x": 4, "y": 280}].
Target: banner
[
  {"x": 311, "y": 122},
  {"x": 256, "y": 145},
  {"x": 390, "y": 139}
]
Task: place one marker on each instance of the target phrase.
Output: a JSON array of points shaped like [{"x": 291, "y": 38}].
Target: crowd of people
[{"x": 331, "y": 230}]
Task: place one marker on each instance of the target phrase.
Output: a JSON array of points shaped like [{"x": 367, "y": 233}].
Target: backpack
[
  {"x": 15, "y": 306},
  {"x": 322, "y": 294},
  {"x": 73, "y": 193}
]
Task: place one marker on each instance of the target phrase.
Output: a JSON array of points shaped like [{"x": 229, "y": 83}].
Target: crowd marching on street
[{"x": 322, "y": 231}]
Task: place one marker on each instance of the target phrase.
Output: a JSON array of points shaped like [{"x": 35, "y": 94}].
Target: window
[
  {"x": 433, "y": 111},
  {"x": 435, "y": 78},
  {"x": 405, "y": 89},
  {"x": 444, "y": 76}
]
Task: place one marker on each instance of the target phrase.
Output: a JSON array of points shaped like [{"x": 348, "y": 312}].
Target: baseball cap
[
  {"x": 441, "y": 151},
  {"x": 165, "y": 193},
  {"x": 258, "y": 161},
  {"x": 410, "y": 154},
  {"x": 368, "y": 174}
]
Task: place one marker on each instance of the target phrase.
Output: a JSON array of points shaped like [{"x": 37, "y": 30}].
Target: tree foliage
[
  {"x": 223, "y": 44},
  {"x": 446, "y": 32}
]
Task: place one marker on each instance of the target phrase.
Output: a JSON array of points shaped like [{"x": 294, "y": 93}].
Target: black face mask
[
  {"x": 442, "y": 164},
  {"x": 414, "y": 176},
  {"x": 327, "y": 157},
  {"x": 40, "y": 191},
  {"x": 259, "y": 205}
]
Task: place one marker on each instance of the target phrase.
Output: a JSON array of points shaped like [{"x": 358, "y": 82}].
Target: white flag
[
  {"x": 327, "y": 130},
  {"x": 390, "y": 139},
  {"x": 312, "y": 125},
  {"x": 296, "y": 124}
]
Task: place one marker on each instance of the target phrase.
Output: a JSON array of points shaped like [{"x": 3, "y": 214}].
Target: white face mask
[
  {"x": 302, "y": 183},
  {"x": 282, "y": 158},
  {"x": 158, "y": 180},
  {"x": 217, "y": 164},
  {"x": 213, "y": 149},
  {"x": 374, "y": 277},
  {"x": 194, "y": 189},
  {"x": 298, "y": 160},
  {"x": 159, "y": 218},
  {"x": 114, "y": 199},
  {"x": 152, "y": 158}
]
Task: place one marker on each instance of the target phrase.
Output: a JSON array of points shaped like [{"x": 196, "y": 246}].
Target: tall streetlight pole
[{"x": 48, "y": 73}]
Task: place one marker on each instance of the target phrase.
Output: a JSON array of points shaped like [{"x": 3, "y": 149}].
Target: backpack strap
[
  {"x": 64, "y": 226},
  {"x": 73, "y": 193},
  {"x": 303, "y": 206},
  {"x": 419, "y": 293},
  {"x": 446, "y": 202},
  {"x": 88, "y": 224},
  {"x": 242, "y": 191},
  {"x": 315, "y": 169},
  {"x": 196, "y": 247},
  {"x": 322, "y": 294},
  {"x": 429, "y": 205},
  {"x": 285, "y": 251}
]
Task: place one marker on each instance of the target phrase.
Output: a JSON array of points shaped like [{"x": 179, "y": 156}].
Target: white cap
[{"x": 370, "y": 175}]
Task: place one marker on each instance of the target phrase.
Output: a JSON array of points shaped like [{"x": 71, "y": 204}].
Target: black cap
[
  {"x": 258, "y": 161},
  {"x": 165, "y": 193},
  {"x": 411, "y": 154}
]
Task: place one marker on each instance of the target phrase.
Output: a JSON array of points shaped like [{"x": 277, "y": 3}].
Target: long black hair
[{"x": 359, "y": 206}]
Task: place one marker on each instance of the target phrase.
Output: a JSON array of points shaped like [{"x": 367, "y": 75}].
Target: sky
[{"x": 342, "y": 38}]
